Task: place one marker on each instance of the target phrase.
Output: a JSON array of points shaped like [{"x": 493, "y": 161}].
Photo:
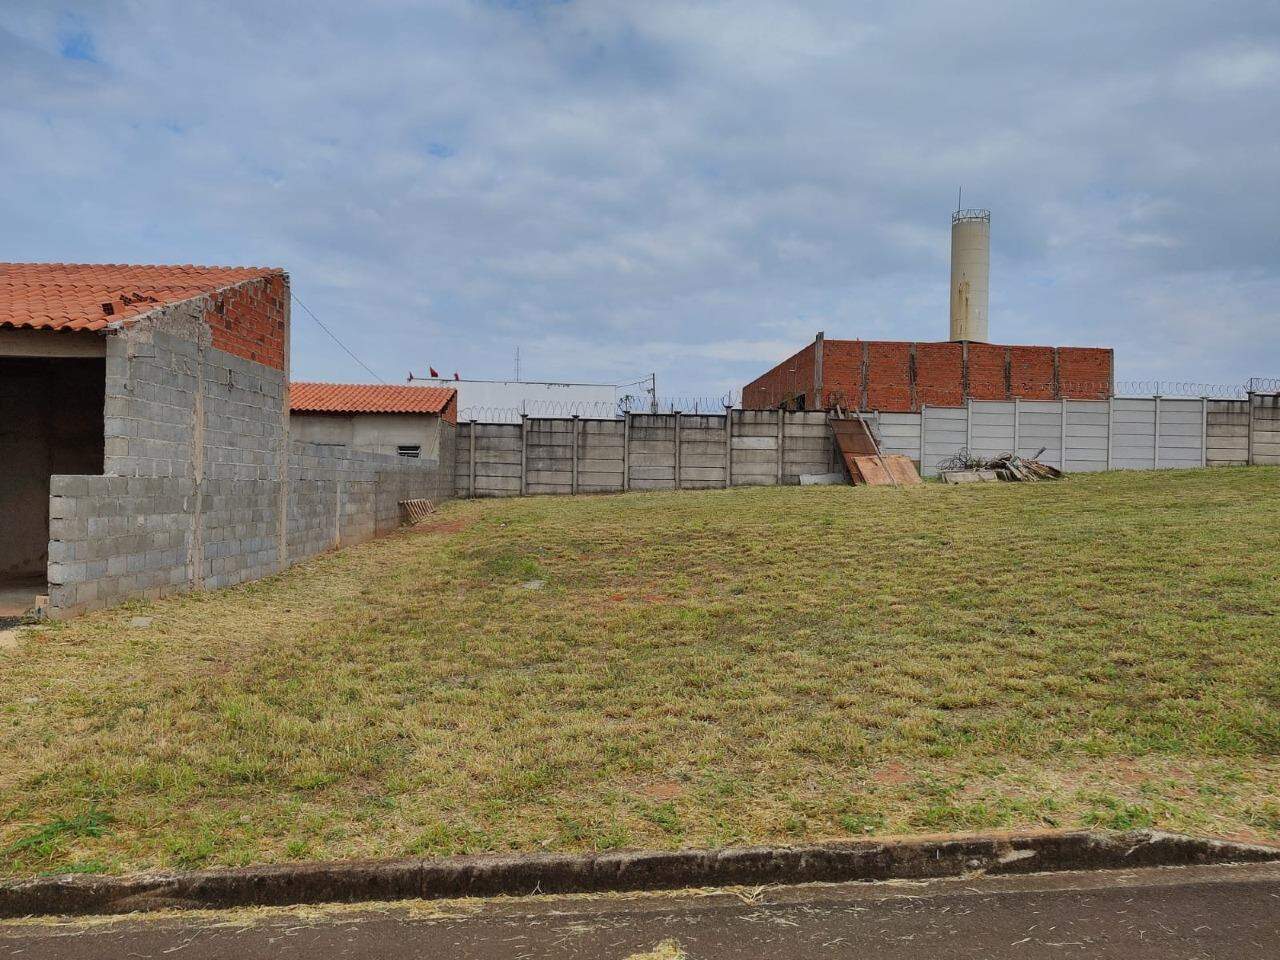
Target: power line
[{"x": 334, "y": 337}]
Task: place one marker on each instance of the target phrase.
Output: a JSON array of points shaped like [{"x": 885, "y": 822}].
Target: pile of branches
[{"x": 1007, "y": 466}]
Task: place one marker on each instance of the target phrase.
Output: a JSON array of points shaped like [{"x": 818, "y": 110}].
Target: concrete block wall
[
  {"x": 807, "y": 446},
  {"x": 243, "y": 437},
  {"x": 704, "y": 447},
  {"x": 339, "y": 496},
  {"x": 757, "y": 447},
  {"x": 766, "y": 447},
  {"x": 489, "y": 460},
  {"x": 117, "y": 537},
  {"x": 651, "y": 454},
  {"x": 602, "y": 462},
  {"x": 990, "y": 430},
  {"x": 899, "y": 433},
  {"x": 1040, "y": 426},
  {"x": 201, "y": 486},
  {"x": 642, "y": 452},
  {"x": 1087, "y": 435},
  {"x": 1264, "y": 437},
  {"x": 549, "y": 455},
  {"x": 1227, "y": 430}
]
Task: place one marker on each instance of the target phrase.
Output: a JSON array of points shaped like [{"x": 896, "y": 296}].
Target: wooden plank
[{"x": 870, "y": 471}]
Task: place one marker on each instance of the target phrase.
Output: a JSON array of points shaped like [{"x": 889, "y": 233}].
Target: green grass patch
[{"x": 752, "y": 665}]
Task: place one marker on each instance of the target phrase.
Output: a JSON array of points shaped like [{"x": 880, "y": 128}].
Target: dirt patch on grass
[
  {"x": 661, "y": 790},
  {"x": 444, "y": 526}
]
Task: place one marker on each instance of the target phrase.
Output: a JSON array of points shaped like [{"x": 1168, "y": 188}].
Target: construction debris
[
  {"x": 965, "y": 468},
  {"x": 970, "y": 476},
  {"x": 863, "y": 457},
  {"x": 823, "y": 479}
]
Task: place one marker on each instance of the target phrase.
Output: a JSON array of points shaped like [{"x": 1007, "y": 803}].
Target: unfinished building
[
  {"x": 898, "y": 376},
  {"x": 144, "y": 438}
]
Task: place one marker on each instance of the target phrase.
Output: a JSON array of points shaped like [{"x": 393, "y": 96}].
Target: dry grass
[{"x": 699, "y": 668}]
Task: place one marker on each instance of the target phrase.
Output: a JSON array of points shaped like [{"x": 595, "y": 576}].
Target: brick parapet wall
[
  {"x": 939, "y": 376},
  {"x": 792, "y": 378},
  {"x": 250, "y": 320},
  {"x": 902, "y": 376}
]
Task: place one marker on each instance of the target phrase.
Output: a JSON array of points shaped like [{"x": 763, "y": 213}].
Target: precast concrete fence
[{"x": 765, "y": 447}]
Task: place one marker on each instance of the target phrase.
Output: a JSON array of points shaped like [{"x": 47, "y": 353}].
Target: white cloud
[{"x": 690, "y": 188}]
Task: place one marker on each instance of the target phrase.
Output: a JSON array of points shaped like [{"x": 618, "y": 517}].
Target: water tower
[{"x": 970, "y": 273}]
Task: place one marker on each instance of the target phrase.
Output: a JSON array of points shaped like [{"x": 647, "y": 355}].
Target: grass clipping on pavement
[{"x": 672, "y": 669}]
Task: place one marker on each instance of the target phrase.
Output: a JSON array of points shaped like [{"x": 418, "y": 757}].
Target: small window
[{"x": 409, "y": 450}]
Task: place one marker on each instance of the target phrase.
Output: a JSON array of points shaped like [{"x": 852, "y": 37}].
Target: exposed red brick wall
[
  {"x": 1031, "y": 373},
  {"x": 986, "y": 371},
  {"x": 450, "y": 412},
  {"x": 889, "y": 375},
  {"x": 249, "y": 320},
  {"x": 790, "y": 379},
  {"x": 939, "y": 375},
  {"x": 842, "y": 372},
  {"x": 1084, "y": 373}
]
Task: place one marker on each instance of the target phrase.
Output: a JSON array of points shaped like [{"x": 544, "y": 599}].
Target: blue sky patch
[{"x": 75, "y": 42}]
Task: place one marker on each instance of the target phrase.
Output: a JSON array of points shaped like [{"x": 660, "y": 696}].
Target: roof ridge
[{"x": 140, "y": 266}]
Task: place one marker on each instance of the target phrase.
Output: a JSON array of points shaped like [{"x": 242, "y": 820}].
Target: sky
[{"x": 690, "y": 189}]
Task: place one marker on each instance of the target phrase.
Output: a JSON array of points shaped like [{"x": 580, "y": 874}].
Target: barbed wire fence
[
  {"x": 598, "y": 409},
  {"x": 884, "y": 393}
]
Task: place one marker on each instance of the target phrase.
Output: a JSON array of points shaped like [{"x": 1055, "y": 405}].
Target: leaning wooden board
[{"x": 885, "y": 471}]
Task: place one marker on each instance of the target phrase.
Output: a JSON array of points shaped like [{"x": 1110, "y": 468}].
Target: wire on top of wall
[{"x": 334, "y": 338}]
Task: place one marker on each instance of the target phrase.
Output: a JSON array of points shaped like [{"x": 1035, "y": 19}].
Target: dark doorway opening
[{"x": 51, "y": 422}]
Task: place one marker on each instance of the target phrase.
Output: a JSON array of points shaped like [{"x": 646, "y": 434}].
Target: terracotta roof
[
  {"x": 89, "y": 296},
  {"x": 367, "y": 398}
]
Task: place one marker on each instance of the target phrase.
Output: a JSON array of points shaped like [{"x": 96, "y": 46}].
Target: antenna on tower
[{"x": 959, "y": 194}]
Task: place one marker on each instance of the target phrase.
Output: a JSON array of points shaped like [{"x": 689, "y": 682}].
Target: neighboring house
[{"x": 400, "y": 420}]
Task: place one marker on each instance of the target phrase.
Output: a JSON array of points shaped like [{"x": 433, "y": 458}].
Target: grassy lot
[{"x": 694, "y": 668}]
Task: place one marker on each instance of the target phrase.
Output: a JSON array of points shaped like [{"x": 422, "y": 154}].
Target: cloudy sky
[{"x": 691, "y": 188}]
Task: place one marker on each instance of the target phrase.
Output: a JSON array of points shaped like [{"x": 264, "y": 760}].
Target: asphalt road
[{"x": 1194, "y": 913}]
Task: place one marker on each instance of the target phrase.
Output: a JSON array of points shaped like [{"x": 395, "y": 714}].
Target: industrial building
[
  {"x": 506, "y": 401},
  {"x": 903, "y": 376}
]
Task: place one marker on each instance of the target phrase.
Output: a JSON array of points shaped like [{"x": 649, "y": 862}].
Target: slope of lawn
[{"x": 674, "y": 669}]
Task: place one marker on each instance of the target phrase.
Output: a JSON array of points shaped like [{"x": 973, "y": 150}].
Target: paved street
[{"x": 1192, "y": 913}]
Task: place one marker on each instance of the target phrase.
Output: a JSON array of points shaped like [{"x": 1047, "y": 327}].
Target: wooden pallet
[{"x": 415, "y": 511}]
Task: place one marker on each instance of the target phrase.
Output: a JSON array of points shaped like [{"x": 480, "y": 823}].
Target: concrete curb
[{"x": 493, "y": 875}]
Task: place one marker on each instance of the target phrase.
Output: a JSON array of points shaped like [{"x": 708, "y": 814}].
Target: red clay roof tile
[
  {"x": 91, "y": 296},
  {"x": 367, "y": 398}
]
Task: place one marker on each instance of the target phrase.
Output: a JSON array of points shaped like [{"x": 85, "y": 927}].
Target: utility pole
[
  {"x": 653, "y": 393},
  {"x": 517, "y": 364}
]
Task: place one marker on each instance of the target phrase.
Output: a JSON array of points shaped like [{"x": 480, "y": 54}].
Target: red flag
[
  {"x": 455, "y": 375},
  {"x": 433, "y": 371}
]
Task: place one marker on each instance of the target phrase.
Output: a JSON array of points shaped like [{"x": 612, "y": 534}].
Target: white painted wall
[{"x": 370, "y": 432}]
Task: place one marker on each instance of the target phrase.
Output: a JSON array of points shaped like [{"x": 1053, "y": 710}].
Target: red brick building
[{"x": 902, "y": 376}]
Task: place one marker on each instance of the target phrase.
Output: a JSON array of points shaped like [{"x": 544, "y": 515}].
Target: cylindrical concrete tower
[{"x": 970, "y": 273}]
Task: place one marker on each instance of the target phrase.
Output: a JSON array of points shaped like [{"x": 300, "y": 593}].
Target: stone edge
[{"x": 619, "y": 871}]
